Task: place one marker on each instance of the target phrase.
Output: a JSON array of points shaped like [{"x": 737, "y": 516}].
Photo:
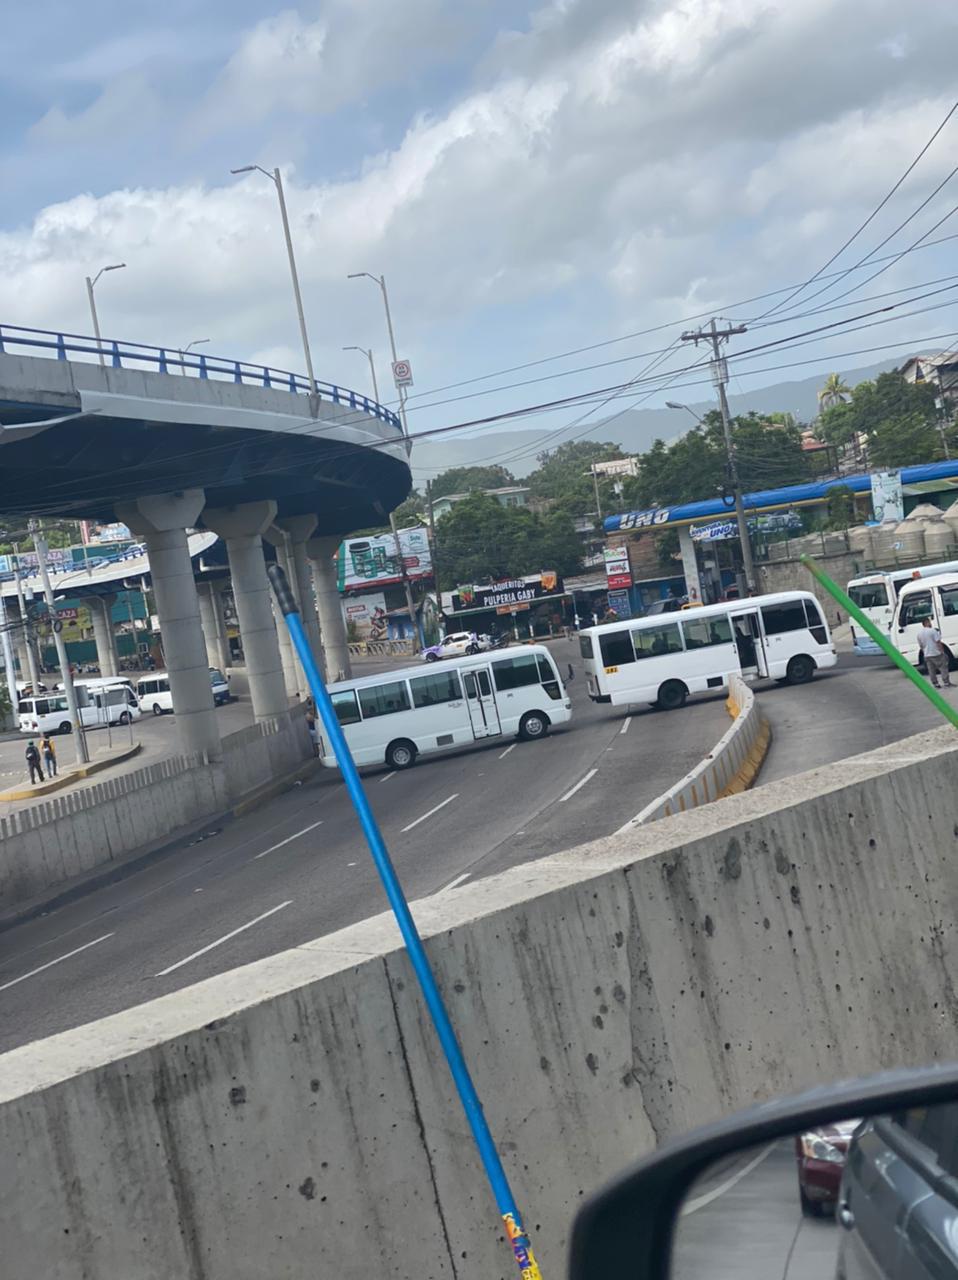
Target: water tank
[
  {"x": 897, "y": 544},
  {"x": 940, "y": 540},
  {"x": 860, "y": 541}
]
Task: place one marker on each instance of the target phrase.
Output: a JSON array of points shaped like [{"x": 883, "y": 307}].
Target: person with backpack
[
  {"x": 33, "y": 762},
  {"x": 49, "y": 755}
]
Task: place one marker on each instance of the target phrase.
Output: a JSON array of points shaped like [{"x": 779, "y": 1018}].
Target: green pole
[{"x": 886, "y": 646}]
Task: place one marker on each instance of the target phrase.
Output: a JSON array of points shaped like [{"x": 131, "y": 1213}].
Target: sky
[{"x": 532, "y": 178}]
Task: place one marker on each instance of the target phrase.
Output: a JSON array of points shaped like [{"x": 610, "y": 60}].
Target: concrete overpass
[{"x": 167, "y": 443}]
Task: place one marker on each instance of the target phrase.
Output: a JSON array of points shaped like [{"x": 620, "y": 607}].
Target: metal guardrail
[{"x": 172, "y": 360}]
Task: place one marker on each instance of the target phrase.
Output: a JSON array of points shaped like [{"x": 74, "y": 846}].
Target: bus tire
[
  {"x": 672, "y": 695},
  {"x": 66, "y": 727},
  {"x": 401, "y": 754},
  {"x": 157, "y": 709},
  {"x": 800, "y": 669},
  {"x": 125, "y": 717},
  {"x": 534, "y": 724}
]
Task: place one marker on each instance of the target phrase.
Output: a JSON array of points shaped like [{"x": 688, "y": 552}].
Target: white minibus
[
  {"x": 876, "y": 594},
  {"x": 937, "y": 599},
  {"x": 154, "y": 692},
  {"x": 394, "y": 717},
  {"x": 113, "y": 703},
  {"x": 663, "y": 660}
]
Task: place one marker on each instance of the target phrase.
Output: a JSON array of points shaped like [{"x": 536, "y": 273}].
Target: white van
[
  {"x": 114, "y": 703},
  {"x": 876, "y": 594},
  {"x": 667, "y": 658},
  {"x": 935, "y": 598},
  {"x": 396, "y": 716},
  {"x": 154, "y": 692}
]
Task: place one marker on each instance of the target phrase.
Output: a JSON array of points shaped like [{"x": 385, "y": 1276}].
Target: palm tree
[{"x": 835, "y": 391}]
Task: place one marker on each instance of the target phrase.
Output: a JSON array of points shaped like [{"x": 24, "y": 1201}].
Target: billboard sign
[
  {"x": 620, "y": 604},
  {"x": 616, "y": 467},
  {"x": 887, "y": 500},
  {"x": 512, "y": 594},
  {"x": 618, "y": 571},
  {"x": 367, "y": 614},
  {"x": 372, "y": 562}
]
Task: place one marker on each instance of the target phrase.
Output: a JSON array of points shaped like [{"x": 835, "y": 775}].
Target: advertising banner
[
  {"x": 367, "y": 614},
  {"x": 513, "y": 594},
  {"x": 618, "y": 571},
  {"x": 887, "y": 500},
  {"x": 620, "y": 604},
  {"x": 372, "y": 562}
]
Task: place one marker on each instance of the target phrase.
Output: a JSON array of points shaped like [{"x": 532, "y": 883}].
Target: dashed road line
[
  {"x": 625, "y": 724},
  {"x": 219, "y": 941},
  {"x": 434, "y": 809},
  {"x": 59, "y": 960},
  {"x": 581, "y": 783},
  {"x": 288, "y": 840},
  {"x": 503, "y": 754}
]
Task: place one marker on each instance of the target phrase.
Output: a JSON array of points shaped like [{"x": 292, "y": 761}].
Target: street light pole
[
  {"x": 90, "y": 286},
  {"x": 185, "y": 351},
  {"x": 410, "y": 606},
  {"x": 381, "y": 281},
  {"x": 673, "y": 404},
  {"x": 277, "y": 179},
  {"x": 713, "y": 335},
  {"x": 31, "y": 670},
  {"x": 39, "y": 542}
]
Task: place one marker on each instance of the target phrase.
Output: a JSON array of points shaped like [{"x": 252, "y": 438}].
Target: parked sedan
[{"x": 455, "y": 645}]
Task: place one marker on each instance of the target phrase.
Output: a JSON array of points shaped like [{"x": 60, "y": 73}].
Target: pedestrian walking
[
  {"x": 933, "y": 651},
  {"x": 49, "y": 755},
  {"x": 33, "y": 762}
]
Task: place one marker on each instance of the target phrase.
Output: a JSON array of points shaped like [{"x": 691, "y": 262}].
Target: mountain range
[{"x": 634, "y": 429}]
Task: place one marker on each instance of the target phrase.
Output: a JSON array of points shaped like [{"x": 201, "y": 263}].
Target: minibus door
[
  {"x": 481, "y": 701},
  {"x": 749, "y": 643}
]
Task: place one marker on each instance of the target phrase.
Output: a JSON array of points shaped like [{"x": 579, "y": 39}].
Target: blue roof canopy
[{"x": 769, "y": 499}]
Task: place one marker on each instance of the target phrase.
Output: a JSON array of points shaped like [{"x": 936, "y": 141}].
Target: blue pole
[{"x": 521, "y": 1246}]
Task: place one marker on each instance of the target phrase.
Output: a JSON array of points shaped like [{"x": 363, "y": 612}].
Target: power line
[{"x": 874, "y": 213}]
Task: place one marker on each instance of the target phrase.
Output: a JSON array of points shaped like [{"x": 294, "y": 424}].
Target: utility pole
[
  {"x": 40, "y": 545},
  {"x": 714, "y": 336},
  {"x": 435, "y": 545},
  {"x": 22, "y": 601}
]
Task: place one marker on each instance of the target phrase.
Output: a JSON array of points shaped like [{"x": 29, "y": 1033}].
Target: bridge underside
[{"x": 84, "y": 466}]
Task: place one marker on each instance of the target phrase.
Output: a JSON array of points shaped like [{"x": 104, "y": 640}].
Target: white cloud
[{"x": 651, "y": 158}]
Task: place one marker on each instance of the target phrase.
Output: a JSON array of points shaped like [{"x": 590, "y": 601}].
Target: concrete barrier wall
[
  {"x": 77, "y": 832},
  {"x": 295, "y": 1117},
  {"x": 730, "y": 767}
]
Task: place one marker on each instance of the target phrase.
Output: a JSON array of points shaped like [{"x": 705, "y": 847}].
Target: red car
[{"x": 821, "y": 1161}]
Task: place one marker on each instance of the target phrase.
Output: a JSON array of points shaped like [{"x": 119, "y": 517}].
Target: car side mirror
[{"x": 785, "y": 1188}]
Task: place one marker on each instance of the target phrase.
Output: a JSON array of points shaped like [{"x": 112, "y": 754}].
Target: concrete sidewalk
[{"x": 104, "y": 758}]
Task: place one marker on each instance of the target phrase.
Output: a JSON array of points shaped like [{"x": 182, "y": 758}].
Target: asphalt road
[
  {"x": 297, "y": 868},
  {"x": 745, "y": 1223}
]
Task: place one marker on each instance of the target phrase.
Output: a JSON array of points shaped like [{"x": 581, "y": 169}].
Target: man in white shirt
[{"x": 936, "y": 660}]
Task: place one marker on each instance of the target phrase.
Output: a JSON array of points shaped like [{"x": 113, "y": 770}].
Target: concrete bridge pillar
[
  {"x": 242, "y": 530},
  {"x": 214, "y": 629},
  {"x": 101, "y": 615},
  {"x": 300, "y": 529},
  {"x": 293, "y": 674},
  {"x": 162, "y": 522},
  {"x": 331, "y": 624}
]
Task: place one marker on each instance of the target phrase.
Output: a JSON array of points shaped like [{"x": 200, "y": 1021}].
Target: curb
[
  {"x": 270, "y": 790},
  {"x": 730, "y": 768},
  {"x": 74, "y": 775}
]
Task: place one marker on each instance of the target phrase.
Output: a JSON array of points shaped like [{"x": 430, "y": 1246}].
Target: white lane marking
[
  {"x": 581, "y": 783},
  {"x": 50, "y": 963},
  {"x": 219, "y": 941},
  {"x": 507, "y": 750},
  {"x": 388, "y": 776},
  {"x": 350, "y": 864},
  {"x": 458, "y": 880},
  {"x": 625, "y": 724},
  {"x": 691, "y": 1206},
  {"x": 435, "y": 809},
  {"x": 288, "y": 840}
]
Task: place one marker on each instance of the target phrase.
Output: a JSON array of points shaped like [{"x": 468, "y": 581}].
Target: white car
[{"x": 455, "y": 645}]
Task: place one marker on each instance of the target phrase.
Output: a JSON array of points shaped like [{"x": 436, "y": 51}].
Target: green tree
[
  {"x": 696, "y": 465},
  {"x": 898, "y": 419},
  {"x": 470, "y": 479},
  {"x": 481, "y": 541},
  {"x": 564, "y": 475},
  {"x": 834, "y": 392}
]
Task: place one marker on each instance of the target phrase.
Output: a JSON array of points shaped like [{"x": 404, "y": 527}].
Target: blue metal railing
[{"x": 172, "y": 360}]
